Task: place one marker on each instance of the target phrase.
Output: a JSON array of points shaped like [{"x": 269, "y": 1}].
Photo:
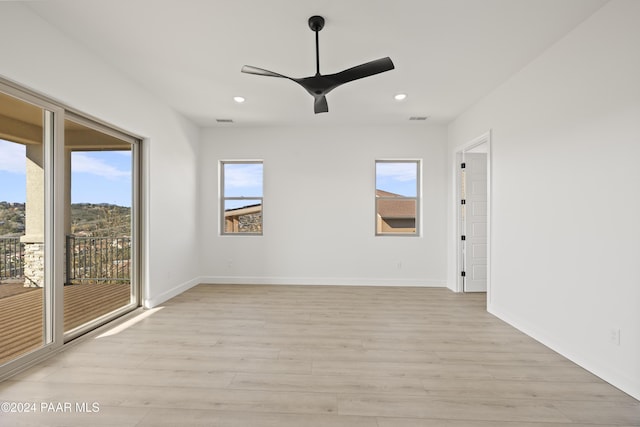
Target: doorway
[
  {"x": 473, "y": 215},
  {"x": 69, "y": 225}
]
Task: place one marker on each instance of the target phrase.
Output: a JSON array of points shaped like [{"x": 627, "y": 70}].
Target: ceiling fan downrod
[{"x": 316, "y": 23}]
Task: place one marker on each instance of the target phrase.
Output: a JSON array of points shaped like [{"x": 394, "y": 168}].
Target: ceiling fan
[{"x": 319, "y": 85}]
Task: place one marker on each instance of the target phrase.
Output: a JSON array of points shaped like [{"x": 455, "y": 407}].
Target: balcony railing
[
  {"x": 98, "y": 259},
  {"x": 88, "y": 259},
  {"x": 11, "y": 258}
]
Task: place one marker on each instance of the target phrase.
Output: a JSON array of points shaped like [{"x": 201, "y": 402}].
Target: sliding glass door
[
  {"x": 25, "y": 279},
  {"x": 101, "y": 210},
  {"x": 69, "y": 215}
]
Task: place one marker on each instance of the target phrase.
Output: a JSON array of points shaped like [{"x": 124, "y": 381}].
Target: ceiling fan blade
[
  {"x": 364, "y": 70},
  {"x": 261, "y": 72},
  {"x": 320, "y": 105}
]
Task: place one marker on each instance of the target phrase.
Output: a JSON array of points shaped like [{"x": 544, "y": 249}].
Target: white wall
[
  {"x": 566, "y": 211},
  {"x": 38, "y": 56},
  {"x": 319, "y": 207}
]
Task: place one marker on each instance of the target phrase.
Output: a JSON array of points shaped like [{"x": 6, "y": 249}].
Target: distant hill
[
  {"x": 11, "y": 219},
  {"x": 87, "y": 219},
  {"x": 102, "y": 219}
]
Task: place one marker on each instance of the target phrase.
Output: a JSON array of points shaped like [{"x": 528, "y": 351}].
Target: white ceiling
[{"x": 448, "y": 53}]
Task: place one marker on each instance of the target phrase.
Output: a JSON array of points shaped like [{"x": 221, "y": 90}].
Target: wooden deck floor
[{"x": 21, "y": 314}]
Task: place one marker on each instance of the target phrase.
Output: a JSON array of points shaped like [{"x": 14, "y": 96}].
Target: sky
[
  {"x": 242, "y": 180},
  {"x": 245, "y": 180},
  {"x": 397, "y": 177},
  {"x": 96, "y": 176}
]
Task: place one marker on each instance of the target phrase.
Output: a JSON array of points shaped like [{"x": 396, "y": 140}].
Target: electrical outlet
[
  {"x": 399, "y": 265},
  {"x": 614, "y": 336}
]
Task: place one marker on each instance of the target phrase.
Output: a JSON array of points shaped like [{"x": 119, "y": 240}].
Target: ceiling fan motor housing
[{"x": 316, "y": 23}]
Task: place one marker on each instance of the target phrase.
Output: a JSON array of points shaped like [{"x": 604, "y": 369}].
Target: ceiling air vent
[
  {"x": 224, "y": 120},
  {"x": 418, "y": 117}
]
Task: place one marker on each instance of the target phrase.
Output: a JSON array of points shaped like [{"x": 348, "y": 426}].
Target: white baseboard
[
  {"x": 167, "y": 295},
  {"x": 261, "y": 280},
  {"x": 619, "y": 380},
  {"x": 333, "y": 281}
]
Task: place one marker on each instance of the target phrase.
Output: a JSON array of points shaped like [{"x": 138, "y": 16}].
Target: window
[
  {"x": 397, "y": 197},
  {"x": 241, "y": 201}
]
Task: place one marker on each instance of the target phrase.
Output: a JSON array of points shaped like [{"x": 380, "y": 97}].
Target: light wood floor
[{"x": 297, "y": 356}]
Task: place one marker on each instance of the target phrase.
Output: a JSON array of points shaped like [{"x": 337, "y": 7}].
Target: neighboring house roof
[
  {"x": 245, "y": 210},
  {"x": 397, "y": 206},
  {"x": 382, "y": 193}
]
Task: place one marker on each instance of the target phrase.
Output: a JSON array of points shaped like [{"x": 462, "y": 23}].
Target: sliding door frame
[
  {"x": 135, "y": 298},
  {"x": 55, "y": 114},
  {"x": 53, "y": 119}
]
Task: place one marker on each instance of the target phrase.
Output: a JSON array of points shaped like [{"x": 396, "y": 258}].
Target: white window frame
[
  {"x": 417, "y": 198},
  {"x": 224, "y": 198}
]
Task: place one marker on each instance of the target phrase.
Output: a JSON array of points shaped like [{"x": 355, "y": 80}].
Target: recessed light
[
  {"x": 400, "y": 97},
  {"x": 239, "y": 99}
]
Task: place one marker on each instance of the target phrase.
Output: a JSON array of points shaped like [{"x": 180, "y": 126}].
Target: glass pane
[
  {"x": 22, "y": 223},
  {"x": 243, "y": 216},
  {"x": 242, "y": 179},
  {"x": 98, "y": 225},
  {"x": 397, "y": 179},
  {"x": 396, "y": 215}
]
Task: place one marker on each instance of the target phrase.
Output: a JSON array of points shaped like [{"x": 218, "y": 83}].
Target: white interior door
[{"x": 475, "y": 222}]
